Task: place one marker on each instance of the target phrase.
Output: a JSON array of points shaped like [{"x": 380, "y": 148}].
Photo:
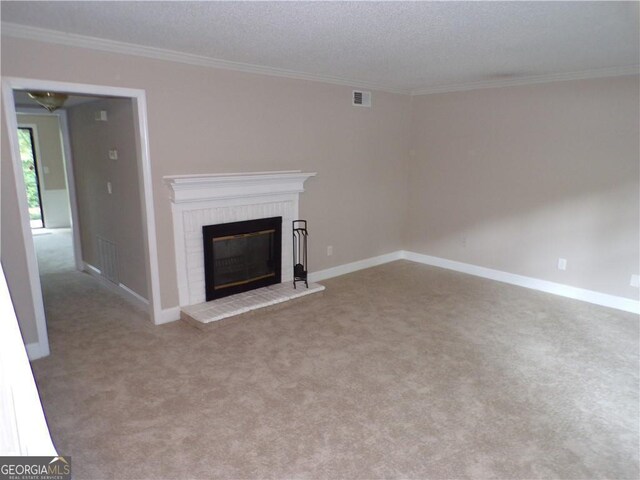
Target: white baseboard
[
  {"x": 90, "y": 269},
  {"x": 139, "y": 299},
  {"x": 620, "y": 303},
  {"x": 121, "y": 289},
  {"x": 36, "y": 350},
  {"x": 590, "y": 296},
  {"x": 355, "y": 266},
  {"x": 168, "y": 315}
]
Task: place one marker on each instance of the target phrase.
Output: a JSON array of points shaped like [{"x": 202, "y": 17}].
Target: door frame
[
  {"x": 69, "y": 175},
  {"x": 138, "y": 98}
]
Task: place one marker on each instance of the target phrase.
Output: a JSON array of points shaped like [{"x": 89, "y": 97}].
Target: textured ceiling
[{"x": 399, "y": 45}]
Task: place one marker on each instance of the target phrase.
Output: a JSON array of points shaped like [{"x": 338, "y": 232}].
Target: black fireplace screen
[{"x": 241, "y": 256}]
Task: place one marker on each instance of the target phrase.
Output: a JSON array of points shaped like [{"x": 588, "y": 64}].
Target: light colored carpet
[
  {"x": 54, "y": 249},
  {"x": 400, "y": 371}
]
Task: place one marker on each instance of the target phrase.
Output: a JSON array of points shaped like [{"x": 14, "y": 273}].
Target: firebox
[{"x": 241, "y": 256}]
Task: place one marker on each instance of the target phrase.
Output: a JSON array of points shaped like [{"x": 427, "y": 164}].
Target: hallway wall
[{"x": 117, "y": 216}]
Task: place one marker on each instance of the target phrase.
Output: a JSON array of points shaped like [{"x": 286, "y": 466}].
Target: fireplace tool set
[{"x": 300, "y": 235}]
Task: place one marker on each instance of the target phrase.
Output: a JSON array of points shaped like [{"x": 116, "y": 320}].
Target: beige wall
[
  {"x": 13, "y": 254},
  {"x": 116, "y": 217},
  {"x": 53, "y": 181},
  {"x": 514, "y": 178},
  {"x": 509, "y": 178},
  {"x": 203, "y": 120}
]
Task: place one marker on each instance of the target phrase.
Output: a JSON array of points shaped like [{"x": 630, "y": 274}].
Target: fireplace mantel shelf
[{"x": 197, "y": 188}]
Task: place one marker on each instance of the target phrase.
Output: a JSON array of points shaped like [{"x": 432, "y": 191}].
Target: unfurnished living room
[{"x": 323, "y": 240}]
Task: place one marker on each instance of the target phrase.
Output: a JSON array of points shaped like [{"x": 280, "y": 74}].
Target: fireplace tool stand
[{"x": 300, "y": 235}]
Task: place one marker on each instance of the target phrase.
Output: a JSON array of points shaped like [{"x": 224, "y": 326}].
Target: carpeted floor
[
  {"x": 399, "y": 371},
  {"x": 54, "y": 249}
]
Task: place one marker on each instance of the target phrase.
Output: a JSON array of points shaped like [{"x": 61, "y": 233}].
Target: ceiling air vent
[{"x": 361, "y": 99}]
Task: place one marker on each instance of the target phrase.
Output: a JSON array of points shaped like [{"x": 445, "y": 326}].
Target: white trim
[
  {"x": 168, "y": 315},
  {"x": 135, "y": 297},
  {"x": 139, "y": 101},
  {"x": 32, "y": 263},
  {"x": 148, "y": 215},
  {"x": 204, "y": 188},
  {"x": 531, "y": 79},
  {"x": 35, "y": 350},
  {"x": 590, "y": 296},
  {"x": 91, "y": 270},
  {"x": 82, "y": 41},
  {"x": 120, "y": 288},
  {"x": 354, "y": 266}
]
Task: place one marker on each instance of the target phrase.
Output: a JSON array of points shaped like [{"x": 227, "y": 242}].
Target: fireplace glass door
[{"x": 241, "y": 256}]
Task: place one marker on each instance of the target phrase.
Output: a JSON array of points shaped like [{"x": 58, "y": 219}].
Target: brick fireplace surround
[{"x": 199, "y": 200}]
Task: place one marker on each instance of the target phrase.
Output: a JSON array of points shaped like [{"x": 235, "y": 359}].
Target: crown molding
[
  {"x": 82, "y": 41},
  {"x": 532, "y": 79}
]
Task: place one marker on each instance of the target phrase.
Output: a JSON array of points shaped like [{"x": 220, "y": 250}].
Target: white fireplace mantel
[
  {"x": 199, "y": 200},
  {"x": 197, "y": 188}
]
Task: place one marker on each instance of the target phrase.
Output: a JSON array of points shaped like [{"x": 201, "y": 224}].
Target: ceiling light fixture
[{"x": 49, "y": 100}]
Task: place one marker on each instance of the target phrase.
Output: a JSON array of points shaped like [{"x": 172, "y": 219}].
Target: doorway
[
  {"x": 26, "y": 140},
  {"x": 34, "y": 300},
  {"x": 56, "y": 250}
]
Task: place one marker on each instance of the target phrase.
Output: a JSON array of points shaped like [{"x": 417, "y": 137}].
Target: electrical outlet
[
  {"x": 635, "y": 281},
  {"x": 113, "y": 154},
  {"x": 329, "y": 250},
  {"x": 464, "y": 242},
  {"x": 109, "y": 189},
  {"x": 562, "y": 264}
]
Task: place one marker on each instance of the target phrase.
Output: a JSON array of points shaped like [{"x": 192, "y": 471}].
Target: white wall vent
[
  {"x": 361, "y": 99},
  {"x": 108, "y": 259}
]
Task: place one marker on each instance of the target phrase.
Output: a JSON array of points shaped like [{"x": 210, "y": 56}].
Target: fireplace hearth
[{"x": 241, "y": 256}]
